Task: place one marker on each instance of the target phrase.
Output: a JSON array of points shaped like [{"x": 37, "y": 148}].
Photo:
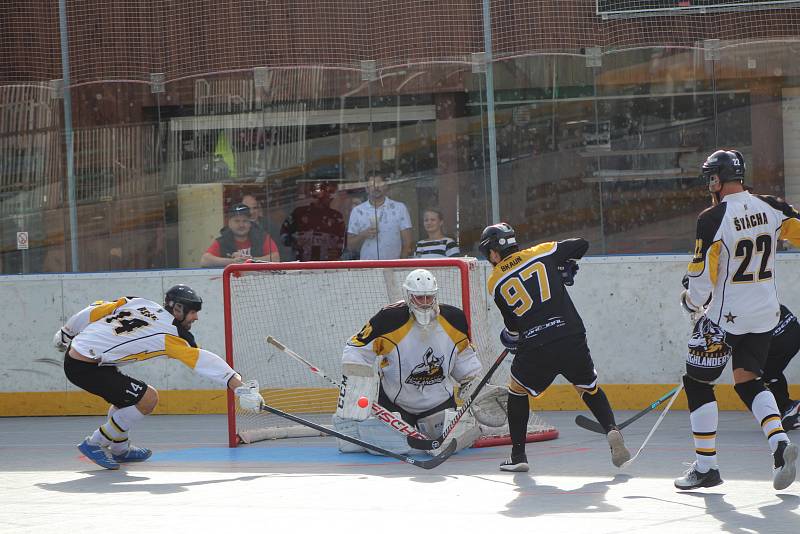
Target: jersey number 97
[{"x": 516, "y": 294}]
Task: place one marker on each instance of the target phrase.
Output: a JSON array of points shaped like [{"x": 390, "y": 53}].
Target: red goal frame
[{"x": 235, "y": 270}]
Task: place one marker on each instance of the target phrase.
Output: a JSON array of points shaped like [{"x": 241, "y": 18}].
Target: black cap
[{"x": 239, "y": 209}]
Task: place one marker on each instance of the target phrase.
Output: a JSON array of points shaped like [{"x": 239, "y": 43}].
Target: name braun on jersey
[
  {"x": 743, "y": 223},
  {"x": 513, "y": 263}
]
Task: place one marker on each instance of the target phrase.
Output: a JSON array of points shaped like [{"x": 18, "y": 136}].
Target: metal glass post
[
  {"x": 492, "y": 134},
  {"x": 68, "y": 135}
]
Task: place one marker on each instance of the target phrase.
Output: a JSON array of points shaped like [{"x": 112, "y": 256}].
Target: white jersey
[
  {"x": 417, "y": 365},
  {"x": 734, "y": 260},
  {"x": 133, "y": 329}
]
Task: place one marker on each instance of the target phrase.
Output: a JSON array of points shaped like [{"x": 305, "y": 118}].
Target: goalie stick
[
  {"x": 380, "y": 413},
  {"x": 589, "y": 424},
  {"x": 424, "y": 464},
  {"x": 431, "y": 444}
]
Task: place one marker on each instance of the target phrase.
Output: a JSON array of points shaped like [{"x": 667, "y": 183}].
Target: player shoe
[
  {"x": 791, "y": 417},
  {"x": 517, "y": 464},
  {"x": 133, "y": 454},
  {"x": 619, "y": 453},
  {"x": 96, "y": 454},
  {"x": 693, "y": 479},
  {"x": 785, "y": 469}
]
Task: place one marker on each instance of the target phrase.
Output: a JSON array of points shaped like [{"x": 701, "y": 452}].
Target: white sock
[
  {"x": 765, "y": 410},
  {"x": 704, "y": 422},
  {"x": 114, "y": 432}
]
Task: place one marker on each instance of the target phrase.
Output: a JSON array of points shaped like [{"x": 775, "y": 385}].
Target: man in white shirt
[{"x": 380, "y": 227}]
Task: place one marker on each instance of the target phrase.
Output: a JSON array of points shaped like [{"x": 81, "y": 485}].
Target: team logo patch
[
  {"x": 707, "y": 346},
  {"x": 430, "y": 372}
]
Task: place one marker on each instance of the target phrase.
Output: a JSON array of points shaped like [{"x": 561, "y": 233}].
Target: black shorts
[
  {"x": 537, "y": 367},
  {"x": 710, "y": 348},
  {"x": 105, "y": 381},
  {"x": 750, "y": 351}
]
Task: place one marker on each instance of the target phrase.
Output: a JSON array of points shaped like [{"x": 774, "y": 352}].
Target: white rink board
[{"x": 636, "y": 330}]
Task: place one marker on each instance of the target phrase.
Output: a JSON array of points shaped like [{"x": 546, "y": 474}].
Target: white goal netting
[{"x": 314, "y": 308}]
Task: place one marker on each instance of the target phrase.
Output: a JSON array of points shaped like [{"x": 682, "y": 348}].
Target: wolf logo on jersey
[
  {"x": 427, "y": 373},
  {"x": 708, "y": 341}
]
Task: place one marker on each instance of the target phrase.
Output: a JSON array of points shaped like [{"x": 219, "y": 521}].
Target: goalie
[{"x": 422, "y": 349}]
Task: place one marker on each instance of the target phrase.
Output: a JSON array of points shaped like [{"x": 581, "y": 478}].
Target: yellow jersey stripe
[
  {"x": 386, "y": 343},
  {"x": 517, "y": 261},
  {"x": 790, "y": 230},
  {"x": 179, "y": 349},
  {"x": 107, "y": 308},
  {"x": 460, "y": 340}
]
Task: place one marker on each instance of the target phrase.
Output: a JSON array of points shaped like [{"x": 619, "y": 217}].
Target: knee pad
[
  {"x": 697, "y": 393},
  {"x": 747, "y": 391}
]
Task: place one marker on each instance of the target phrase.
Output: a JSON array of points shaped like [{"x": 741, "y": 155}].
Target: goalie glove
[
  {"x": 61, "y": 340},
  {"x": 249, "y": 397}
]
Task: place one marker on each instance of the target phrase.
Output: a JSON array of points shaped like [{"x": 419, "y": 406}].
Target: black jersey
[
  {"x": 786, "y": 336},
  {"x": 528, "y": 290}
]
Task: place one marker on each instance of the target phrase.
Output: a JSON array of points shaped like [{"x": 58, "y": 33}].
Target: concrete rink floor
[{"x": 194, "y": 483}]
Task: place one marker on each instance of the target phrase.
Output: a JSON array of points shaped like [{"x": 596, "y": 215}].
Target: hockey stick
[
  {"x": 655, "y": 426},
  {"x": 431, "y": 444},
  {"x": 589, "y": 424},
  {"x": 380, "y": 413},
  {"x": 424, "y": 464}
]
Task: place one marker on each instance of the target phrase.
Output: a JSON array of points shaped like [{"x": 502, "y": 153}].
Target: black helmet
[
  {"x": 183, "y": 295},
  {"x": 500, "y": 238},
  {"x": 727, "y": 164}
]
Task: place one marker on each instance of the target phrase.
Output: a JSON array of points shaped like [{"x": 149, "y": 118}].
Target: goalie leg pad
[
  {"x": 490, "y": 408},
  {"x": 378, "y": 433},
  {"x": 466, "y": 431},
  {"x": 349, "y": 427},
  {"x": 358, "y": 381}
]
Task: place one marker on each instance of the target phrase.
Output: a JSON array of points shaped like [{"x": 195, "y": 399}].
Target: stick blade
[
  {"x": 588, "y": 424},
  {"x": 440, "y": 458},
  {"x": 423, "y": 444}
]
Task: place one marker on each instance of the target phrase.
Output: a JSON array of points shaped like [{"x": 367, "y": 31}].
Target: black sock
[
  {"x": 518, "y": 413},
  {"x": 780, "y": 390},
  {"x": 600, "y": 408}
]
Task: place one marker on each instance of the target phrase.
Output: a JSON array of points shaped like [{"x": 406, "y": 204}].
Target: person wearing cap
[{"x": 240, "y": 241}]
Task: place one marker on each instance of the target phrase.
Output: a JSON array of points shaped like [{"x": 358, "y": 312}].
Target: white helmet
[{"x": 420, "y": 292}]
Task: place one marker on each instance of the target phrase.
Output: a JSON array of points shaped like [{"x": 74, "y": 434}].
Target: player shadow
[
  {"x": 774, "y": 515},
  {"x": 535, "y": 499},
  {"x": 124, "y": 482}
]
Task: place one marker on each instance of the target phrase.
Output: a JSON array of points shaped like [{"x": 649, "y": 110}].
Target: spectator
[
  {"x": 256, "y": 215},
  {"x": 315, "y": 231},
  {"x": 437, "y": 245},
  {"x": 380, "y": 227},
  {"x": 239, "y": 241}
]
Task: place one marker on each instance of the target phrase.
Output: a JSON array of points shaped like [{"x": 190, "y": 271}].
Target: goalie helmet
[
  {"x": 727, "y": 164},
  {"x": 500, "y": 238},
  {"x": 420, "y": 291},
  {"x": 184, "y": 296}
]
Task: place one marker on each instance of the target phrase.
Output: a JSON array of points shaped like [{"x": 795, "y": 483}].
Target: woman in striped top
[{"x": 437, "y": 245}]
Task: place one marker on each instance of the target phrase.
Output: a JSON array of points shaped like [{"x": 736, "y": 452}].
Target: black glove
[
  {"x": 509, "y": 339},
  {"x": 568, "y": 270},
  {"x": 685, "y": 281}
]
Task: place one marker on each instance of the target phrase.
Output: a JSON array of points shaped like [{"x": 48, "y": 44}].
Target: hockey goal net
[{"x": 314, "y": 308}]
